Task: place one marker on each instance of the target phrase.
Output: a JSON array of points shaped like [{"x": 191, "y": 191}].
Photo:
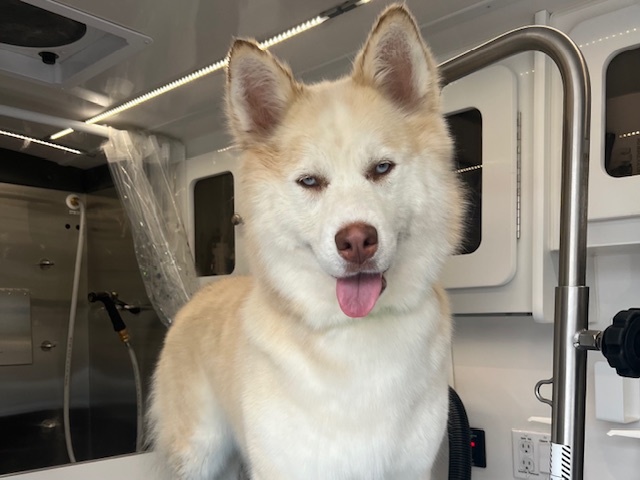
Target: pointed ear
[
  {"x": 396, "y": 61},
  {"x": 259, "y": 92}
]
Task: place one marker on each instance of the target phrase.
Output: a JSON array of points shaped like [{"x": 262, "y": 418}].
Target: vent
[
  {"x": 47, "y": 42},
  {"x": 24, "y": 25}
]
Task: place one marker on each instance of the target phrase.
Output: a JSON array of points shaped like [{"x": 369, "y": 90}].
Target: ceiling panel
[{"x": 190, "y": 34}]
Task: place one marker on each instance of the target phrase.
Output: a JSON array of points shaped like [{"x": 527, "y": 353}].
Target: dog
[{"x": 331, "y": 361}]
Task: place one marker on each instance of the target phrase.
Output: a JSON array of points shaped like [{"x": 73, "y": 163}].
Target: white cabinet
[
  {"x": 497, "y": 277},
  {"x": 217, "y": 244},
  {"x": 610, "y": 43},
  {"x": 493, "y": 93}
]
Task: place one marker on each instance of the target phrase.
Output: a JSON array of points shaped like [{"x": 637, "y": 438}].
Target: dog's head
[{"x": 352, "y": 202}]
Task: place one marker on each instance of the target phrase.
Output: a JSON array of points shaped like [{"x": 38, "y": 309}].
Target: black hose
[{"x": 459, "y": 439}]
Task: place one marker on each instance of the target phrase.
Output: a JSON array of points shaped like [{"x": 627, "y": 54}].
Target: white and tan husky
[{"x": 331, "y": 361}]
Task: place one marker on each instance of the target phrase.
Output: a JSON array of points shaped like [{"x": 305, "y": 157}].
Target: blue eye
[
  {"x": 308, "y": 181},
  {"x": 378, "y": 171},
  {"x": 383, "y": 168}
]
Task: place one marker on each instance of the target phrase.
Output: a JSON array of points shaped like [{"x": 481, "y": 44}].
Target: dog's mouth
[{"x": 358, "y": 294}]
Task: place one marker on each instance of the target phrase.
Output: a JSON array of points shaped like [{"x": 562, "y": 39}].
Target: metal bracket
[
  {"x": 588, "y": 340},
  {"x": 539, "y": 395}
]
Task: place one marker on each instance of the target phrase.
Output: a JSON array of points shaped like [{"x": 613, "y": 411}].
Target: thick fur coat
[{"x": 331, "y": 361}]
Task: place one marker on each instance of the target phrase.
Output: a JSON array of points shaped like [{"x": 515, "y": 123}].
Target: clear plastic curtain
[{"x": 145, "y": 169}]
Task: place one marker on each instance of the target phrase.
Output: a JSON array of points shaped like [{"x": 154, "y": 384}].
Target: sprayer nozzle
[{"x": 124, "y": 335}]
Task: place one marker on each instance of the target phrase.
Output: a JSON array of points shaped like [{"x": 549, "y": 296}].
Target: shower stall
[{"x": 38, "y": 242}]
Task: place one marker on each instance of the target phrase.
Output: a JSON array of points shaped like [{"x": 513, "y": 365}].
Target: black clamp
[{"x": 621, "y": 343}]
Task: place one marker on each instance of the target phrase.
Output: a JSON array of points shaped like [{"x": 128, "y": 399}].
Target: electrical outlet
[{"x": 531, "y": 452}]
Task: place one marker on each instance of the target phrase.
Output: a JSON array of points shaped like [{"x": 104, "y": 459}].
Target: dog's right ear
[{"x": 259, "y": 91}]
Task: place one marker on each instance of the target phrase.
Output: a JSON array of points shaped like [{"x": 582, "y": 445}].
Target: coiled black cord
[{"x": 459, "y": 439}]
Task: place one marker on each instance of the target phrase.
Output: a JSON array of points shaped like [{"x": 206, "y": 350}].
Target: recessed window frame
[
  {"x": 468, "y": 165},
  {"x": 208, "y": 261},
  {"x": 622, "y": 135}
]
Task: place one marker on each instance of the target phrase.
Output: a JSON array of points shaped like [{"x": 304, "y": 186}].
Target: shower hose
[{"x": 74, "y": 203}]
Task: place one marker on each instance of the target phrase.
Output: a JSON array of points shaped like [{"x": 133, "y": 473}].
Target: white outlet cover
[{"x": 530, "y": 454}]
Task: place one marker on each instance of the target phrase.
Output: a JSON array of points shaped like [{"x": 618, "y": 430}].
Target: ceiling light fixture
[
  {"x": 220, "y": 64},
  {"x": 40, "y": 142}
]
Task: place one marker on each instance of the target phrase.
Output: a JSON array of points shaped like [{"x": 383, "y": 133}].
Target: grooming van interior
[{"x": 119, "y": 198}]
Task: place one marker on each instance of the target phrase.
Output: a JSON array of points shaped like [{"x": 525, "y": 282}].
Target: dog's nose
[{"x": 357, "y": 242}]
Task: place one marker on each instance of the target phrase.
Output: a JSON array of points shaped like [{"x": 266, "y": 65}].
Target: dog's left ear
[{"x": 396, "y": 61}]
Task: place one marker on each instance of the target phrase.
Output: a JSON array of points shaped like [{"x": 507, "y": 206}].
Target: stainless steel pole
[{"x": 569, "y": 363}]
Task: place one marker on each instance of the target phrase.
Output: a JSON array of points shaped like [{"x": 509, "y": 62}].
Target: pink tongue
[{"x": 357, "y": 295}]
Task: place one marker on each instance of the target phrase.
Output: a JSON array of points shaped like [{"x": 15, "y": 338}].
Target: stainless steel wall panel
[
  {"x": 35, "y": 225},
  {"x": 15, "y": 326}
]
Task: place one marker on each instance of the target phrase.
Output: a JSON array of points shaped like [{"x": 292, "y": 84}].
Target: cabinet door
[
  {"x": 213, "y": 215},
  {"x": 483, "y": 117},
  {"x": 611, "y": 47}
]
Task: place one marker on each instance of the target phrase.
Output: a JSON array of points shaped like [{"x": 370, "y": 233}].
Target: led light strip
[
  {"x": 225, "y": 149},
  {"x": 148, "y": 96},
  {"x": 40, "y": 142},
  {"x": 469, "y": 169},
  {"x": 303, "y": 27},
  {"x": 630, "y": 134},
  {"x": 608, "y": 37}
]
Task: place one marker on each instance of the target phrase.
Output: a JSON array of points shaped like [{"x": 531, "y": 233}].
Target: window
[
  {"x": 466, "y": 128},
  {"x": 214, "y": 232},
  {"x": 622, "y": 137}
]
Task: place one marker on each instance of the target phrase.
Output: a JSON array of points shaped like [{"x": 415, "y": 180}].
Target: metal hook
[
  {"x": 539, "y": 395},
  {"x": 236, "y": 220}
]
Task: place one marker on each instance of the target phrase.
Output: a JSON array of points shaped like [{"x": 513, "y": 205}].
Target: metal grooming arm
[{"x": 571, "y": 307}]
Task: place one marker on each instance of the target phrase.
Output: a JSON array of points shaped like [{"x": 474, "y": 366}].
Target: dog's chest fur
[{"x": 362, "y": 401}]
